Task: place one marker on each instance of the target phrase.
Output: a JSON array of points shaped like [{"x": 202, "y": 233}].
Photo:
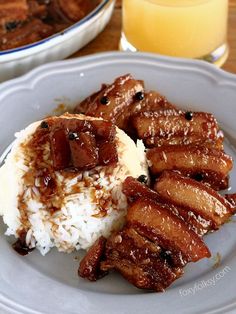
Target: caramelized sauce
[
  {"x": 217, "y": 260},
  {"x": 44, "y": 152},
  {"x": 20, "y": 245}
]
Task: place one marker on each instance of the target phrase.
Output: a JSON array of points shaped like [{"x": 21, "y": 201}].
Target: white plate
[{"x": 36, "y": 284}]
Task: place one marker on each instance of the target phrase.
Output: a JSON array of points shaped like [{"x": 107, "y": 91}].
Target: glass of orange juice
[{"x": 180, "y": 28}]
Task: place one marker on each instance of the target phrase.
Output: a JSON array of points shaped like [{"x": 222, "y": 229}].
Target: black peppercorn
[
  {"x": 188, "y": 115},
  {"x": 143, "y": 179},
  {"x": 166, "y": 255},
  {"x": 72, "y": 136},
  {"x": 104, "y": 100},
  {"x": 44, "y": 125},
  {"x": 11, "y": 25},
  {"x": 199, "y": 177},
  {"x": 139, "y": 96}
]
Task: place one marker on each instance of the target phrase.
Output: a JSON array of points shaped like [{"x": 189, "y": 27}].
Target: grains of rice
[{"x": 79, "y": 221}]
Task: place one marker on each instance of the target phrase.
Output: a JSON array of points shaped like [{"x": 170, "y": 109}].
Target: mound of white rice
[{"x": 79, "y": 221}]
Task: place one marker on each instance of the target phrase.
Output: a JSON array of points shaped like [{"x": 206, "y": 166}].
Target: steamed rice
[{"x": 79, "y": 222}]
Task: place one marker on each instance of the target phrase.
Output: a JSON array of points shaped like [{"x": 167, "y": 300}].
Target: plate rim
[
  {"x": 220, "y": 76},
  {"x": 205, "y": 68}
]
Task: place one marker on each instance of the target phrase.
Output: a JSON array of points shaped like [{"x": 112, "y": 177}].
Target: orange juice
[{"x": 183, "y": 28}]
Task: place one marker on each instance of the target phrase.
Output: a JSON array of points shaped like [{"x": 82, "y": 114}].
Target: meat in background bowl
[{"x": 20, "y": 60}]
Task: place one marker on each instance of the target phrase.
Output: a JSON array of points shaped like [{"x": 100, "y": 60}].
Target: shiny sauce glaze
[
  {"x": 172, "y": 127},
  {"x": 20, "y": 245}
]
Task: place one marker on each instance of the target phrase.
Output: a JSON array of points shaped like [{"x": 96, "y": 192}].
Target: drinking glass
[{"x": 180, "y": 28}]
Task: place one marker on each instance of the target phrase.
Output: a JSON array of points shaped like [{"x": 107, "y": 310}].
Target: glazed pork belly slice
[
  {"x": 90, "y": 265},
  {"x": 135, "y": 190},
  {"x": 174, "y": 127},
  {"x": 84, "y": 151},
  {"x": 120, "y": 100},
  {"x": 81, "y": 144},
  {"x": 83, "y": 106},
  {"x": 192, "y": 139},
  {"x": 60, "y": 149},
  {"x": 194, "y": 197},
  {"x": 157, "y": 222},
  {"x": 141, "y": 261},
  {"x": 25, "y": 34},
  {"x": 103, "y": 130},
  {"x": 201, "y": 163},
  {"x": 13, "y": 12},
  {"x": 113, "y": 101},
  {"x": 154, "y": 246},
  {"x": 143, "y": 101},
  {"x": 150, "y": 101}
]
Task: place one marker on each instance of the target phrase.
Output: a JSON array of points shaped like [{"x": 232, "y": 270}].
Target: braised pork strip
[
  {"x": 121, "y": 100},
  {"x": 199, "y": 162},
  {"x": 90, "y": 266},
  {"x": 173, "y": 127},
  {"x": 195, "y": 197},
  {"x": 141, "y": 261},
  {"x": 80, "y": 144}
]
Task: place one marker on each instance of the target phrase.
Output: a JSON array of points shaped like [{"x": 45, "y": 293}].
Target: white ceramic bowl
[{"x": 18, "y": 61}]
